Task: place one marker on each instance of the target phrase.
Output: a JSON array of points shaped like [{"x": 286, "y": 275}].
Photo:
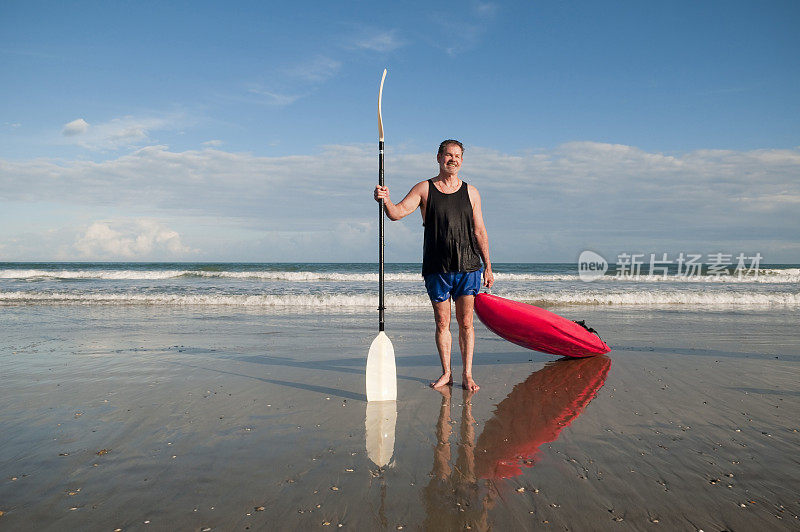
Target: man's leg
[
  {"x": 466, "y": 338},
  {"x": 441, "y": 313}
]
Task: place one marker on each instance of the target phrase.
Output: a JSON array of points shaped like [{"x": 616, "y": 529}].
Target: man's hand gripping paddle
[{"x": 381, "y": 370}]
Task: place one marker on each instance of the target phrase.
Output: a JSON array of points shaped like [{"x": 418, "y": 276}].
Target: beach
[
  {"x": 159, "y": 415},
  {"x": 152, "y": 418}
]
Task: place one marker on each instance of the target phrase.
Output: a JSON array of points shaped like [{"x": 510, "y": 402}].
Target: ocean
[{"x": 320, "y": 287}]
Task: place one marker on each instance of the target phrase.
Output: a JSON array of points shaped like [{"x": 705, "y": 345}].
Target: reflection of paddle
[
  {"x": 381, "y": 371},
  {"x": 379, "y": 431},
  {"x": 535, "y": 412}
]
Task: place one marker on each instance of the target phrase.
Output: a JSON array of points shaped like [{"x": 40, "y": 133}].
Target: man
[{"x": 455, "y": 243}]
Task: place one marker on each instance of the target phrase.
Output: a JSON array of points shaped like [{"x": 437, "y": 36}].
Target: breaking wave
[
  {"x": 769, "y": 275},
  {"x": 660, "y": 298}
]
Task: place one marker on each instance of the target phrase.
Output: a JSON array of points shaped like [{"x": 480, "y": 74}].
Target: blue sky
[{"x": 209, "y": 131}]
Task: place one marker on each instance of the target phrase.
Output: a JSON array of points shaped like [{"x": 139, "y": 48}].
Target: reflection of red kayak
[
  {"x": 535, "y": 412},
  {"x": 537, "y": 328}
]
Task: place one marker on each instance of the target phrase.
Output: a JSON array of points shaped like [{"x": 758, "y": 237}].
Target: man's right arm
[{"x": 409, "y": 204}]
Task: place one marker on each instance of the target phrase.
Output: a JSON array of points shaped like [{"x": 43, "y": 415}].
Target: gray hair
[{"x": 448, "y": 142}]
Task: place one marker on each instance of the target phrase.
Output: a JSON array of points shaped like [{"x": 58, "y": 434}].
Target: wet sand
[{"x": 144, "y": 418}]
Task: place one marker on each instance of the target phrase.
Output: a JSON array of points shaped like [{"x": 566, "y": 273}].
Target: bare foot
[
  {"x": 446, "y": 378},
  {"x": 470, "y": 384}
]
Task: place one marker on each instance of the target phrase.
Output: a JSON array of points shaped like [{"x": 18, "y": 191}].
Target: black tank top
[{"x": 450, "y": 244}]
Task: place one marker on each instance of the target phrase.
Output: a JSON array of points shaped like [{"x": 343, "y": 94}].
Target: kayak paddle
[{"x": 381, "y": 371}]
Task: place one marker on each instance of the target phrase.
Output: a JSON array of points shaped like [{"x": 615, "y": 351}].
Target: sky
[{"x": 247, "y": 131}]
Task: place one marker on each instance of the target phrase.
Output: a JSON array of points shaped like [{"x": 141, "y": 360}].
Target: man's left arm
[{"x": 481, "y": 236}]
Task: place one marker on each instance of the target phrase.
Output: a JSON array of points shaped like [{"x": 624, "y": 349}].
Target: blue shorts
[{"x": 441, "y": 286}]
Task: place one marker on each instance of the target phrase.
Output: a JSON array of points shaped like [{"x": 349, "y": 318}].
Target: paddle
[{"x": 381, "y": 371}]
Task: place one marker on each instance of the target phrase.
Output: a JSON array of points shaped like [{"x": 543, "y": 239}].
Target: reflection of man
[
  {"x": 453, "y": 498},
  {"x": 455, "y": 243}
]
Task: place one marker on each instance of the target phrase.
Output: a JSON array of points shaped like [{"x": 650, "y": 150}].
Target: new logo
[{"x": 591, "y": 266}]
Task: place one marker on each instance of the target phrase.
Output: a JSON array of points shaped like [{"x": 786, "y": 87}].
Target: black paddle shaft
[{"x": 381, "y": 306}]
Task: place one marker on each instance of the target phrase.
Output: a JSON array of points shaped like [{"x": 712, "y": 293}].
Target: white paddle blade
[
  {"x": 380, "y": 423},
  {"x": 381, "y": 371}
]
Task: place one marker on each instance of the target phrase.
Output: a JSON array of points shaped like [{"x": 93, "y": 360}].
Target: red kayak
[{"x": 537, "y": 328}]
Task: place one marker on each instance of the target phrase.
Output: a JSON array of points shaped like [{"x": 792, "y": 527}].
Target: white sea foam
[
  {"x": 777, "y": 276},
  {"x": 765, "y": 276},
  {"x": 662, "y": 298},
  {"x": 724, "y": 299},
  {"x": 122, "y": 275},
  {"x": 260, "y": 300},
  {"x": 787, "y": 272},
  {"x": 300, "y": 277},
  {"x": 118, "y": 275}
]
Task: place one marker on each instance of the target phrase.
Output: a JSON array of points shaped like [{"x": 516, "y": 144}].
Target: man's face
[{"x": 450, "y": 159}]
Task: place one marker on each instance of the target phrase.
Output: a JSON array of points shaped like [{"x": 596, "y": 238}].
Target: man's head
[
  {"x": 449, "y": 157},
  {"x": 449, "y": 142}
]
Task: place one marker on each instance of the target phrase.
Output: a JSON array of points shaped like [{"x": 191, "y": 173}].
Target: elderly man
[{"x": 455, "y": 243}]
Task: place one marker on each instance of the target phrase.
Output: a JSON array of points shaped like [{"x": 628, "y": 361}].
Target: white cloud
[
  {"x": 297, "y": 81},
  {"x": 316, "y": 70},
  {"x": 383, "y": 41},
  {"x": 142, "y": 239},
  {"x": 276, "y": 99},
  {"x": 214, "y": 143},
  {"x": 76, "y": 127},
  {"x": 539, "y": 205},
  {"x": 485, "y": 9},
  {"x": 464, "y": 29},
  {"x": 125, "y": 132}
]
